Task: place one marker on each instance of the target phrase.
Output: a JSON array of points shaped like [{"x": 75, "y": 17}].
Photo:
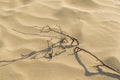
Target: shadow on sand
[{"x": 100, "y": 71}]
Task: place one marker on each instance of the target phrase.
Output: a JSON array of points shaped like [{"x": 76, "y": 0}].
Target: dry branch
[{"x": 63, "y": 43}]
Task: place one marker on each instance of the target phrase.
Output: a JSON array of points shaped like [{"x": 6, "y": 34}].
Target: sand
[{"x": 95, "y": 23}]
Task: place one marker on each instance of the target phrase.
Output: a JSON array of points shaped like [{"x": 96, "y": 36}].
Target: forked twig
[{"x": 63, "y": 43}]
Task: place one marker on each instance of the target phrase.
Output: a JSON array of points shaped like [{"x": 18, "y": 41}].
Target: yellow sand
[{"x": 95, "y": 23}]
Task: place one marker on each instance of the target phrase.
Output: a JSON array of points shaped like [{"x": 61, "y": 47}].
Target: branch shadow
[
  {"x": 7, "y": 62},
  {"x": 100, "y": 71}
]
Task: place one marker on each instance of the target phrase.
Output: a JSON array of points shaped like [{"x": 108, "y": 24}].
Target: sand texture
[{"x": 94, "y": 23}]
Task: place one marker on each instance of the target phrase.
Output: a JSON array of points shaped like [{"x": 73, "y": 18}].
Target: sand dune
[{"x": 95, "y": 23}]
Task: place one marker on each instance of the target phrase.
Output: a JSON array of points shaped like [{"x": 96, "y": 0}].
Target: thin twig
[{"x": 63, "y": 44}]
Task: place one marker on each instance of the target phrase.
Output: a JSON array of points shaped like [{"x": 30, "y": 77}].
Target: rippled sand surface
[{"x": 95, "y": 23}]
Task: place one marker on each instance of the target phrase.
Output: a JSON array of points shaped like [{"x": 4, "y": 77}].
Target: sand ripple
[{"x": 95, "y": 23}]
